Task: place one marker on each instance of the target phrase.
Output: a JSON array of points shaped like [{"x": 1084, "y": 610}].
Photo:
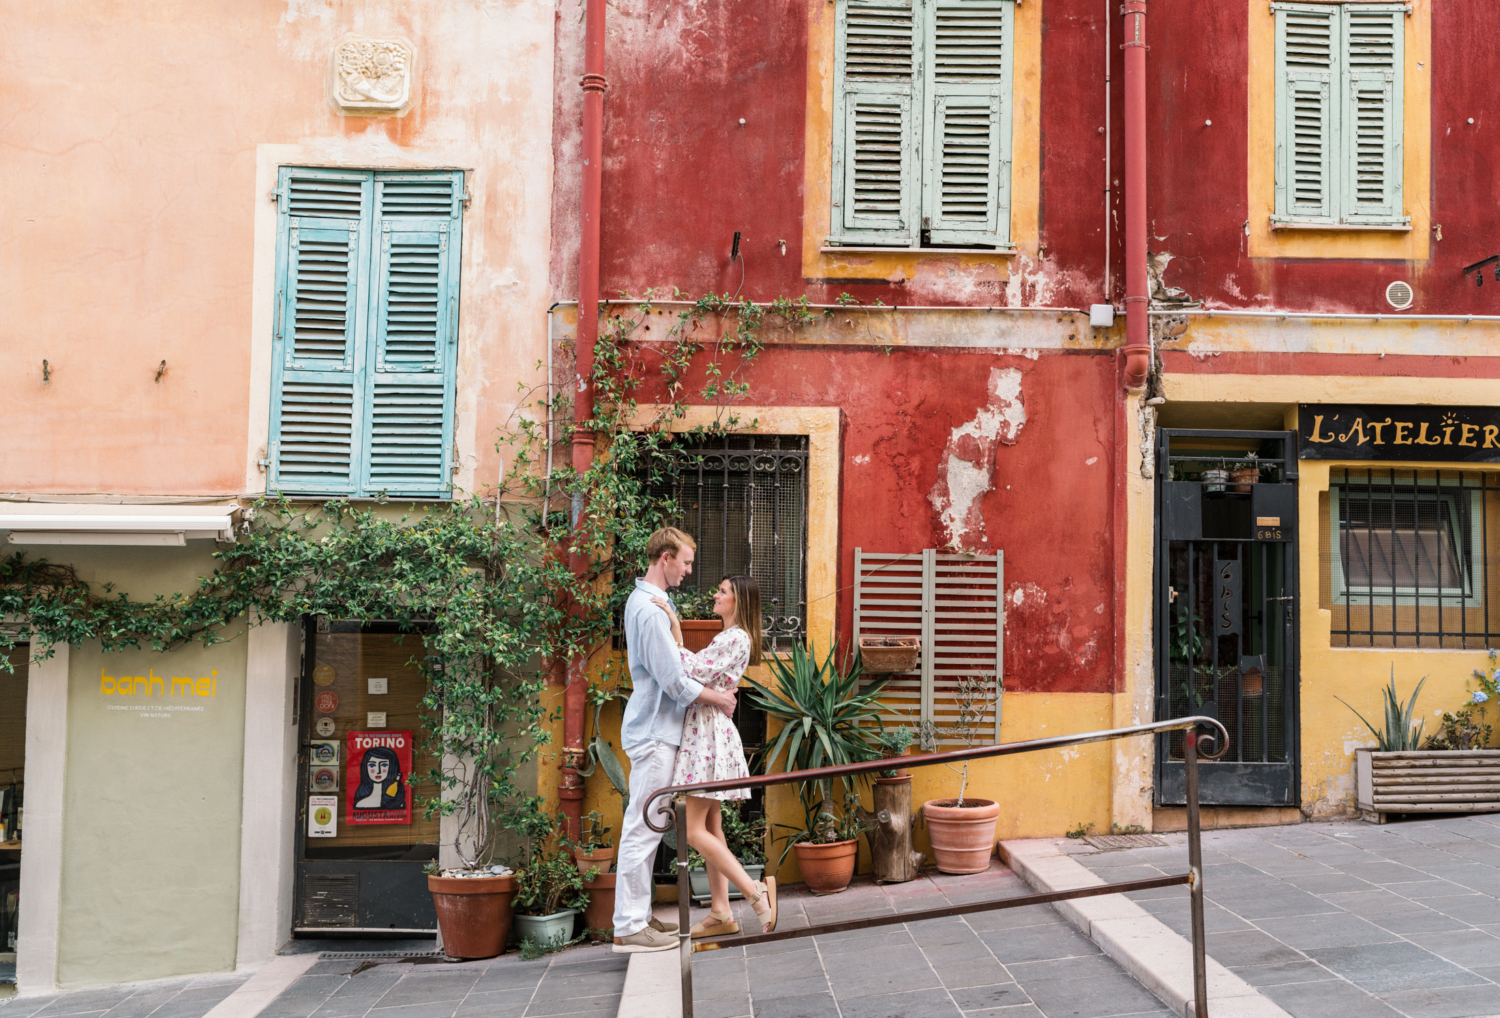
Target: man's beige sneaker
[
  {"x": 645, "y": 942},
  {"x": 662, "y": 927}
]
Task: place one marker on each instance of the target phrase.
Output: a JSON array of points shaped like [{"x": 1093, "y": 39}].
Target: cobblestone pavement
[
  {"x": 1015, "y": 963},
  {"x": 577, "y": 981},
  {"x": 166, "y": 998},
  {"x": 1344, "y": 918}
]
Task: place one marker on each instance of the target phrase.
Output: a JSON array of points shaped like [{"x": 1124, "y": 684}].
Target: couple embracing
[{"x": 677, "y": 731}]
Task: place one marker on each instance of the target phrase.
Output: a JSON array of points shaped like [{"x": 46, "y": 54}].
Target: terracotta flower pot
[
  {"x": 827, "y": 868},
  {"x": 963, "y": 837},
  {"x": 1240, "y": 480},
  {"x": 473, "y": 913},
  {"x": 603, "y": 858},
  {"x": 697, "y": 634},
  {"x": 600, "y": 914}
]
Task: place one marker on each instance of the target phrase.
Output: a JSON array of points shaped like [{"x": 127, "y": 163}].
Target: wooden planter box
[
  {"x": 886, "y": 655},
  {"x": 1426, "y": 781}
]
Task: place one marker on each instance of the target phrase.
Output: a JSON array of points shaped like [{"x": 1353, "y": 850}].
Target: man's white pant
[{"x": 651, "y": 766}]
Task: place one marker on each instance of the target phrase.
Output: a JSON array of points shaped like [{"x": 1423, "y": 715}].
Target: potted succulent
[
  {"x": 594, "y": 851},
  {"x": 962, "y": 829},
  {"x": 890, "y": 821},
  {"x": 1243, "y": 473},
  {"x": 825, "y": 719},
  {"x": 695, "y": 610},
  {"x": 746, "y": 839},
  {"x": 1451, "y": 772},
  {"x": 549, "y": 888}
]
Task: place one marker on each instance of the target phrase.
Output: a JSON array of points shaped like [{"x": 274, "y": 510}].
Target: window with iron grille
[
  {"x": 744, "y": 500},
  {"x": 1408, "y": 556}
]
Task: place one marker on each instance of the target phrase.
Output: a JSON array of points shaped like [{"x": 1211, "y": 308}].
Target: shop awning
[{"x": 69, "y": 523}]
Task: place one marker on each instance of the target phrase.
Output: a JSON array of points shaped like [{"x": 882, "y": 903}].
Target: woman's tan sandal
[
  {"x": 765, "y": 905},
  {"x": 715, "y": 926}
]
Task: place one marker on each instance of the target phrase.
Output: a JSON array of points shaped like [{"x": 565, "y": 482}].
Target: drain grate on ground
[
  {"x": 363, "y": 955},
  {"x": 1107, "y": 842}
]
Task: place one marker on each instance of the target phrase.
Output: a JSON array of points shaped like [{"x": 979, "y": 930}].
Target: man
[{"x": 650, "y": 733}]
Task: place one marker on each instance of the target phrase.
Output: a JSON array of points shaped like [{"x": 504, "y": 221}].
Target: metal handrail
[{"x": 1193, "y": 878}]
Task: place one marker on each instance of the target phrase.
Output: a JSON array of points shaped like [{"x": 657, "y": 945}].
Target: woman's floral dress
[{"x": 711, "y": 749}]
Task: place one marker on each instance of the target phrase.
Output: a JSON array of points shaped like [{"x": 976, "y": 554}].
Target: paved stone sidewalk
[
  {"x": 1344, "y": 918},
  {"x": 165, "y": 998},
  {"x": 1015, "y": 963}
]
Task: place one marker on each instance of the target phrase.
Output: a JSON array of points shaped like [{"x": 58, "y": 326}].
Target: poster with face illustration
[{"x": 378, "y": 778}]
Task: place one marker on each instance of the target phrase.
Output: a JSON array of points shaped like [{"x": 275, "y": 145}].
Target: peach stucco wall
[{"x": 138, "y": 145}]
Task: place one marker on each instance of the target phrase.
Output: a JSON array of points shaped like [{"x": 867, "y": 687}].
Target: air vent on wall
[{"x": 1399, "y": 295}]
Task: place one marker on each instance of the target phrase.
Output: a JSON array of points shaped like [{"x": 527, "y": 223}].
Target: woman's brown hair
[{"x": 747, "y": 611}]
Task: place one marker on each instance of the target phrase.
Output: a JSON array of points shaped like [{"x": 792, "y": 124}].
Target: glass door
[
  {"x": 1226, "y": 621},
  {"x": 12, "y": 784},
  {"x": 363, "y": 839}
]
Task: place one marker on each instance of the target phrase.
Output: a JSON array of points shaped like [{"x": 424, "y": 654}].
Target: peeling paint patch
[
  {"x": 967, "y": 468},
  {"x": 861, "y": 461}
]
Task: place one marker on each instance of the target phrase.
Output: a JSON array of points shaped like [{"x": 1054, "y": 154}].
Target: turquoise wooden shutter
[
  {"x": 1307, "y": 113},
  {"x": 408, "y": 434},
  {"x": 1372, "y": 50},
  {"x": 877, "y": 102},
  {"x": 967, "y": 121},
  {"x": 317, "y": 365}
]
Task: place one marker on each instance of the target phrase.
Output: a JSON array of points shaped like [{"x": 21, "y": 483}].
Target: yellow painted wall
[{"x": 1330, "y": 731}]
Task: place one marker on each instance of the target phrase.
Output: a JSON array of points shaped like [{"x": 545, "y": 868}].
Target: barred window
[
  {"x": 744, "y": 500},
  {"x": 1408, "y": 556}
]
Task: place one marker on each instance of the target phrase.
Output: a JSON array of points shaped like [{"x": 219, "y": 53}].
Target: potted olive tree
[
  {"x": 825, "y": 721},
  {"x": 962, "y": 829}
]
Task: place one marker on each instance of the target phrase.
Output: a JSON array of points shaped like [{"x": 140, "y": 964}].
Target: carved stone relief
[{"x": 372, "y": 76}]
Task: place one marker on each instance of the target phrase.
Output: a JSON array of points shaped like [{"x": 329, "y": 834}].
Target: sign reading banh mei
[{"x": 1340, "y": 431}]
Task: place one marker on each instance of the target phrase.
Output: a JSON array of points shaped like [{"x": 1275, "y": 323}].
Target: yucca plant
[
  {"x": 1399, "y": 735},
  {"x": 827, "y": 720}
]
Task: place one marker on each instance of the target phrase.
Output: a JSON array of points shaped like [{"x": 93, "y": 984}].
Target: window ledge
[
  {"x": 1363, "y": 227},
  {"x": 918, "y": 250}
]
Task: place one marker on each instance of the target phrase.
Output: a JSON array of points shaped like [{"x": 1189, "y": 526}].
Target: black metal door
[{"x": 1226, "y": 620}]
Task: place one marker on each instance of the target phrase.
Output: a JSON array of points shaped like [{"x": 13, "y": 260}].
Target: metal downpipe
[{"x": 1137, "y": 294}]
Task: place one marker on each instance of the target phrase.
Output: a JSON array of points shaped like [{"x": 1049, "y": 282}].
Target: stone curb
[
  {"x": 1144, "y": 946},
  {"x": 252, "y": 996},
  {"x": 653, "y": 986}
]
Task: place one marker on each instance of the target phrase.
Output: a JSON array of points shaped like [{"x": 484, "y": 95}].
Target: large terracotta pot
[
  {"x": 473, "y": 913},
  {"x": 600, "y": 914},
  {"x": 600, "y": 858},
  {"x": 827, "y": 868},
  {"x": 963, "y": 837},
  {"x": 697, "y": 634}
]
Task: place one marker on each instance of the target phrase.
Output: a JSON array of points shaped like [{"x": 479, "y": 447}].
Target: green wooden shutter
[
  {"x": 408, "y": 434},
  {"x": 877, "y": 85},
  {"x": 1372, "y": 71},
  {"x": 967, "y": 121},
  {"x": 1308, "y": 173},
  {"x": 317, "y": 367}
]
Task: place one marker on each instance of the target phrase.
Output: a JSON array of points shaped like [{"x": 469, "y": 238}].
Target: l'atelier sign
[{"x": 1458, "y": 434}]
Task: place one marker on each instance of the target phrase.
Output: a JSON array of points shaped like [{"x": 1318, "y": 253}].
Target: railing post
[
  {"x": 1195, "y": 867},
  {"x": 684, "y": 915}
]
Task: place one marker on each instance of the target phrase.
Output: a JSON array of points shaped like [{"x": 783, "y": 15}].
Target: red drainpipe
[
  {"x": 1137, "y": 329},
  {"x": 570, "y": 791}
]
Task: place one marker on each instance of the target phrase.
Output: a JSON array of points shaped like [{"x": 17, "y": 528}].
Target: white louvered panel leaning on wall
[{"x": 955, "y": 604}]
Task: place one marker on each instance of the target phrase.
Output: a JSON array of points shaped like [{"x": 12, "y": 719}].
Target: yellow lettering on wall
[
  {"x": 1490, "y": 433},
  {"x": 1464, "y": 438},
  {"x": 213, "y": 690},
  {"x": 126, "y": 685},
  {"x": 202, "y": 686},
  {"x": 1317, "y": 427},
  {"x": 1422, "y": 438},
  {"x": 1358, "y": 427},
  {"x": 152, "y": 681},
  {"x": 106, "y": 684},
  {"x": 1377, "y": 428},
  {"x": 1400, "y": 433},
  {"x": 182, "y": 685}
]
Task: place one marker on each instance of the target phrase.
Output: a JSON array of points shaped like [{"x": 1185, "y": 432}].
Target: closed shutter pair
[
  {"x": 1339, "y": 81},
  {"x": 922, "y": 122},
  {"x": 367, "y": 272}
]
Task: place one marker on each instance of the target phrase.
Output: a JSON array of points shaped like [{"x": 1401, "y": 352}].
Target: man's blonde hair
[{"x": 668, "y": 541}]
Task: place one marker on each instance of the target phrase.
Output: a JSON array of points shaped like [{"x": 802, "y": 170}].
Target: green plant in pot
[
  {"x": 746, "y": 837},
  {"x": 894, "y": 744},
  {"x": 963, "y": 829},
  {"x": 826, "y": 721},
  {"x": 549, "y": 888}
]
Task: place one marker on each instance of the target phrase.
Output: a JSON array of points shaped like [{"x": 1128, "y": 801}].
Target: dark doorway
[{"x": 1226, "y": 620}]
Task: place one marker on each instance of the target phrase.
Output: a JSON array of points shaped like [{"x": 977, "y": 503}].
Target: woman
[
  {"x": 711, "y": 751},
  {"x": 374, "y": 792}
]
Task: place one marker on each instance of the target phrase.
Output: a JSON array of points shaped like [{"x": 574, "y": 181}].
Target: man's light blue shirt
[{"x": 661, "y": 691}]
